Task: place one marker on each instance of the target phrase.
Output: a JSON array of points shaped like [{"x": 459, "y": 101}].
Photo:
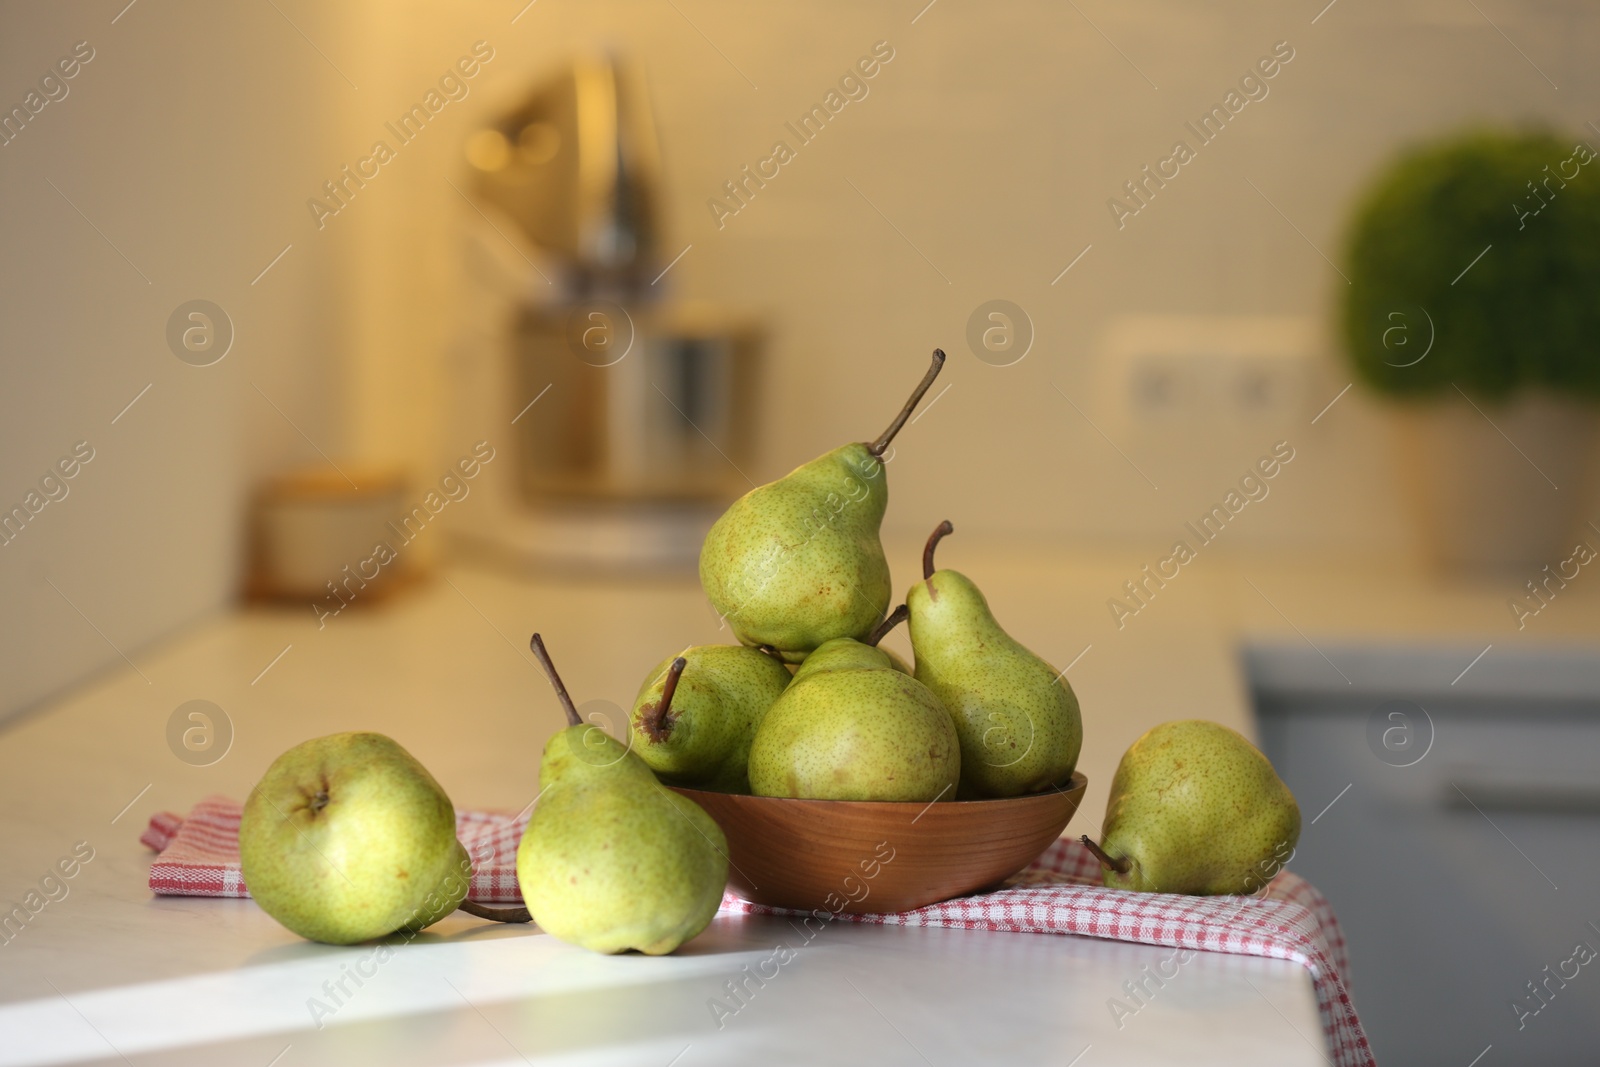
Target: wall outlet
[{"x": 1249, "y": 371}]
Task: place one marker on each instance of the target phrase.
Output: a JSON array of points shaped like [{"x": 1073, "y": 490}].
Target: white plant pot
[{"x": 1497, "y": 487}]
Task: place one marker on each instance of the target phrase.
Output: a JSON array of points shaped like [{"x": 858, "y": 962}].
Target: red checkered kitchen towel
[{"x": 1060, "y": 893}]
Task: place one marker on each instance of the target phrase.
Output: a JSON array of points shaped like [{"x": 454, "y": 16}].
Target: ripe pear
[
  {"x": 1016, "y": 715},
  {"x": 446, "y": 897},
  {"x": 611, "y": 860},
  {"x": 846, "y": 652},
  {"x": 1195, "y": 808},
  {"x": 798, "y": 561},
  {"x": 842, "y": 654},
  {"x": 347, "y": 838},
  {"x": 851, "y": 727},
  {"x": 697, "y": 712},
  {"x": 897, "y": 662}
]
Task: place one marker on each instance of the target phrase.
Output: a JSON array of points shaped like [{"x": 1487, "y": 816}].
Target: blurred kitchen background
[
  {"x": 1167, "y": 353},
  {"x": 978, "y": 166}
]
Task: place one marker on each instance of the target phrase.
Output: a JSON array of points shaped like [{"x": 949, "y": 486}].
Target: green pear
[
  {"x": 851, "y": 727},
  {"x": 446, "y": 897},
  {"x": 843, "y": 654},
  {"x": 898, "y": 662},
  {"x": 798, "y": 561},
  {"x": 1195, "y": 808},
  {"x": 611, "y": 860},
  {"x": 346, "y": 837},
  {"x": 696, "y": 713},
  {"x": 1017, "y": 717}
]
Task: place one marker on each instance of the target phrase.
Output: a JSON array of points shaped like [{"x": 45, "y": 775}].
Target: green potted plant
[{"x": 1474, "y": 305}]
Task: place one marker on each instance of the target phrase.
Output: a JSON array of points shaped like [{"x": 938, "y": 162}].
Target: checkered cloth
[{"x": 1059, "y": 893}]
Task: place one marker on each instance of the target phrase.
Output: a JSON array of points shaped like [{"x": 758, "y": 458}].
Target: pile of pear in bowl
[{"x": 805, "y": 766}]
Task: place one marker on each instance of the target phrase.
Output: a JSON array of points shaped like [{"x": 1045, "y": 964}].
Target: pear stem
[
  {"x": 896, "y": 617},
  {"x": 499, "y": 915},
  {"x": 1121, "y": 866},
  {"x": 769, "y": 650},
  {"x": 537, "y": 644},
  {"x": 933, "y": 542},
  {"x": 877, "y": 447},
  {"x": 655, "y": 721}
]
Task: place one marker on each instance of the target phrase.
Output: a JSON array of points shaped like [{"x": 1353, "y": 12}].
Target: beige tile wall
[{"x": 992, "y": 141}]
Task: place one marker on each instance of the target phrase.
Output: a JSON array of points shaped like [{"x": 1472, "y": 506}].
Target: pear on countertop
[
  {"x": 1016, "y": 715},
  {"x": 347, "y": 838},
  {"x": 798, "y": 561},
  {"x": 611, "y": 860},
  {"x": 1195, "y": 808},
  {"x": 449, "y": 895}
]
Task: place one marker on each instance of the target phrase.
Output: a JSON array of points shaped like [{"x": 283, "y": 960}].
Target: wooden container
[
  {"x": 316, "y": 534},
  {"x": 870, "y": 856}
]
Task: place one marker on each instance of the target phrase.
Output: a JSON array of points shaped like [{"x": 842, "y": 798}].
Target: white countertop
[
  {"x": 479, "y": 994},
  {"x": 445, "y": 670}
]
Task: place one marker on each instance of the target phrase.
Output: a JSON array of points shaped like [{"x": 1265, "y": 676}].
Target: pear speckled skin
[
  {"x": 843, "y": 653},
  {"x": 796, "y": 562},
  {"x": 611, "y": 860},
  {"x": 1198, "y": 809},
  {"x": 897, "y": 662},
  {"x": 446, "y": 897},
  {"x": 345, "y": 837},
  {"x": 720, "y": 699},
  {"x": 861, "y": 733},
  {"x": 1017, "y": 717}
]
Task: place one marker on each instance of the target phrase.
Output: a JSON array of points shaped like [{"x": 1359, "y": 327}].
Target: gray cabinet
[{"x": 1462, "y": 847}]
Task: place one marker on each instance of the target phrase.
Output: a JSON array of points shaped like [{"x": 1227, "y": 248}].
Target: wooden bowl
[{"x": 881, "y": 856}]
